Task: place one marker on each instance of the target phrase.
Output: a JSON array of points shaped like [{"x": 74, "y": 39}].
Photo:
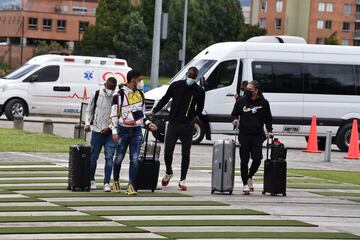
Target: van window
[
  {"x": 203, "y": 65},
  {"x": 357, "y": 80},
  {"x": 48, "y": 74},
  {"x": 329, "y": 79},
  {"x": 22, "y": 71},
  {"x": 278, "y": 77},
  {"x": 222, "y": 76}
]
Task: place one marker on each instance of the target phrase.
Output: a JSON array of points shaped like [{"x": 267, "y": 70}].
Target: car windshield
[
  {"x": 202, "y": 64},
  {"x": 22, "y": 71}
]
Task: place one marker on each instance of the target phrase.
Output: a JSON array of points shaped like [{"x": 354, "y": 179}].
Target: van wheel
[
  {"x": 15, "y": 107},
  {"x": 321, "y": 142},
  {"x": 343, "y": 137},
  {"x": 198, "y": 132}
]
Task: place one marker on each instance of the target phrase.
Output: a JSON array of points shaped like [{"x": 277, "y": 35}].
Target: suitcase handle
[
  {"x": 268, "y": 144},
  {"x": 146, "y": 143}
]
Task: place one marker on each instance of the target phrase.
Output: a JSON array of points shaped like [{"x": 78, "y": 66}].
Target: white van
[
  {"x": 299, "y": 80},
  {"x": 54, "y": 84}
]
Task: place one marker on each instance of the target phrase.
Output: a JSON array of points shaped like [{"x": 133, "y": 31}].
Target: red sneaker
[{"x": 182, "y": 185}]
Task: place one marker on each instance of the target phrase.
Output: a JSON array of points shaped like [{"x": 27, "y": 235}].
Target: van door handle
[
  {"x": 230, "y": 95},
  {"x": 62, "y": 89}
]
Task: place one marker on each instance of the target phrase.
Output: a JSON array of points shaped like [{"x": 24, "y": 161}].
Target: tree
[
  {"x": 332, "y": 40},
  {"x": 42, "y": 47},
  {"x": 131, "y": 39},
  {"x": 253, "y": 31}
]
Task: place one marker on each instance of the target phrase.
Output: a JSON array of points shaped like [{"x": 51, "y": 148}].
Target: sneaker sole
[
  {"x": 246, "y": 193},
  {"x": 164, "y": 184}
]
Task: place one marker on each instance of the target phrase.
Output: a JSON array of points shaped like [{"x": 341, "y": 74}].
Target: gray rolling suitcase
[{"x": 223, "y": 166}]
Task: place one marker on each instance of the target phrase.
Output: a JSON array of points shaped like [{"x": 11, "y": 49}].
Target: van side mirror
[
  {"x": 203, "y": 82},
  {"x": 34, "y": 78}
]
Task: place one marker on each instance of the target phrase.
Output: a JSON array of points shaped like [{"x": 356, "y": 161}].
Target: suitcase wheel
[
  {"x": 68, "y": 187},
  {"x": 230, "y": 192},
  {"x": 273, "y": 194},
  {"x": 212, "y": 191},
  {"x": 284, "y": 194},
  {"x": 263, "y": 193},
  {"x": 152, "y": 190}
]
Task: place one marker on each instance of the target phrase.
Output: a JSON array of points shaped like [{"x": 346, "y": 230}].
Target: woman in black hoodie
[{"x": 254, "y": 112}]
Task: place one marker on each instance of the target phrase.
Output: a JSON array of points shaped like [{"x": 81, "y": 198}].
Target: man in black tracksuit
[
  {"x": 187, "y": 104},
  {"x": 254, "y": 112}
]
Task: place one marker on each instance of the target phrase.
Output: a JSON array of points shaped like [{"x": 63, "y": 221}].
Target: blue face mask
[{"x": 190, "y": 81}]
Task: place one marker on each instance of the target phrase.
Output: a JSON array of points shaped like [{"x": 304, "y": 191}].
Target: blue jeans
[
  {"x": 129, "y": 136},
  {"x": 99, "y": 140}
]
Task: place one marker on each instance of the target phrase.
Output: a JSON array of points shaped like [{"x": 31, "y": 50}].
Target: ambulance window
[
  {"x": 48, "y": 74},
  {"x": 222, "y": 76}
]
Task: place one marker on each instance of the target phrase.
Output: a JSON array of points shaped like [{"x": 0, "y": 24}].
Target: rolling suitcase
[
  {"x": 223, "y": 166},
  {"x": 148, "y": 165},
  {"x": 275, "y": 169},
  {"x": 79, "y": 168}
]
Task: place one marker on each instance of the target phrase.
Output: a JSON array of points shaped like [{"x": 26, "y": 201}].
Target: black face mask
[{"x": 248, "y": 93}]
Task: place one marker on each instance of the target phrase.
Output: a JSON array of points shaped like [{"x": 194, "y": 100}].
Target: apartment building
[{"x": 314, "y": 20}]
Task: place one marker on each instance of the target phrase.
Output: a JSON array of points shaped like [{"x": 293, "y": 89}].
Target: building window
[
  {"x": 346, "y": 26},
  {"x": 83, "y": 26},
  {"x": 277, "y": 23},
  {"x": 329, "y": 7},
  {"x": 263, "y": 6},
  {"x": 347, "y": 9},
  {"x": 61, "y": 25},
  {"x": 262, "y": 23},
  {"x": 321, "y": 7},
  {"x": 279, "y": 6},
  {"x": 320, "y": 24},
  {"x": 47, "y": 24},
  {"x": 319, "y": 40},
  {"x": 328, "y": 24},
  {"x": 345, "y": 42},
  {"x": 32, "y": 24}
]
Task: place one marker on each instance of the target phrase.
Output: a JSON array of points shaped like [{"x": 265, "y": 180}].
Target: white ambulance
[
  {"x": 56, "y": 85},
  {"x": 299, "y": 80}
]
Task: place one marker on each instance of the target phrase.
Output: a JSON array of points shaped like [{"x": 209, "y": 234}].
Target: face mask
[
  {"x": 190, "y": 81},
  {"x": 248, "y": 93},
  {"x": 109, "y": 92},
  {"x": 140, "y": 85}
]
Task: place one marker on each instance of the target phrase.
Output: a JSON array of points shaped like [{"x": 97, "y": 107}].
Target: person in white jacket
[{"x": 97, "y": 120}]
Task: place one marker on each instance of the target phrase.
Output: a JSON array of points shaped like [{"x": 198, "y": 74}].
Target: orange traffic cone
[
  {"x": 312, "y": 145},
  {"x": 353, "y": 152}
]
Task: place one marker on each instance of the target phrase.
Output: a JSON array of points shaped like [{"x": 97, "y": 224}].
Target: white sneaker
[
  {"x": 107, "y": 187},
  {"x": 93, "y": 185},
  {"x": 246, "y": 190},
  {"x": 250, "y": 183}
]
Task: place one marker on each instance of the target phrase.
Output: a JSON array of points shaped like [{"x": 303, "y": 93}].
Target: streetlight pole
[
  {"x": 184, "y": 34},
  {"x": 156, "y": 44}
]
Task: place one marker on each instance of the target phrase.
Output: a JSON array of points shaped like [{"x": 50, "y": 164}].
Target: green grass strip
[
  {"x": 22, "y": 199},
  {"x": 273, "y": 235},
  {"x": 92, "y": 229},
  {"x": 25, "y": 163},
  {"x": 34, "y": 208},
  {"x": 105, "y": 194},
  {"x": 176, "y": 212},
  {"x": 15, "y": 140},
  {"x": 310, "y": 180},
  {"x": 19, "y": 188},
  {"x": 233, "y": 222},
  {"x": 26, "y": 181},
  {"x": 82, "y": 218},
  {"x": 141, "y": 203},
  {"x": 355, "y": 200},
  {"x": 30, "y": 169},
  {"x": 338, "y": 194},
  {"x": 3, "y": 191},
  {"x": 26, "y": 175},
  {"x": 323, "y": 186},
  {"x": 338, "y": 176}
]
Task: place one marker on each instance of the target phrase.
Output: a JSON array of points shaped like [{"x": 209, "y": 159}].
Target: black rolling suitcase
[
  {"x": 79, "y": 168},
  {"x": 275, "y": 169},
  {"x": 148, "y": 165}
]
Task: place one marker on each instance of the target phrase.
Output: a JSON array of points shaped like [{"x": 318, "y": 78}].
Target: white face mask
[
  {"x": 109, "y": 92},
  {"x": 190, "y": 81},
  {"x": 140, "y": 85}
]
